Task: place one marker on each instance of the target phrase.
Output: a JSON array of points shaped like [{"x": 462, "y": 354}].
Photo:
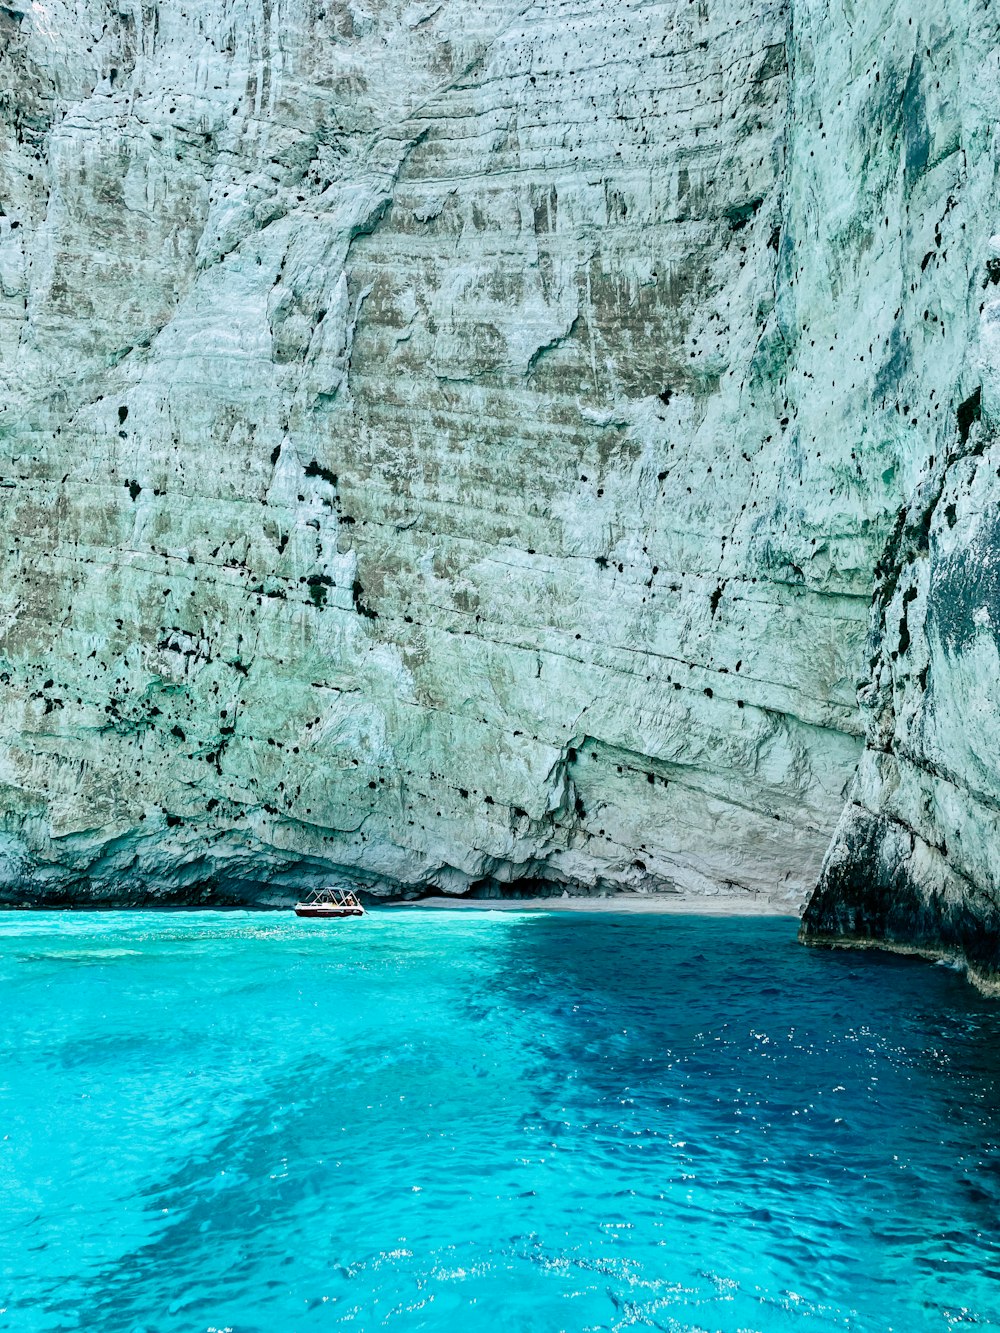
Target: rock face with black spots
[
  {"x": 915, "y": 860},
  {"x": 453, "y": 446}
]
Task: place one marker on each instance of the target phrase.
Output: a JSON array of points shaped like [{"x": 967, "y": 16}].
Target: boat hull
[{"x": 328, "y": 911}]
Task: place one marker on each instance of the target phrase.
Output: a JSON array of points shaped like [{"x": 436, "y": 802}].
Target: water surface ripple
[{"x": 502, "y": 1121}]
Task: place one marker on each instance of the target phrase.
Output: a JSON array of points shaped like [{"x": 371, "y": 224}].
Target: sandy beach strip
[{"x": 686, "y": 904}]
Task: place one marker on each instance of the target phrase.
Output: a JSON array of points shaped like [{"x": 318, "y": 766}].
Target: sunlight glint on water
[{"x": 458, "y": 1121}]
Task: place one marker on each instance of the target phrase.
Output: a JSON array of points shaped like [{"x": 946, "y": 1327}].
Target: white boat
[{"x": 334, "y": 903}]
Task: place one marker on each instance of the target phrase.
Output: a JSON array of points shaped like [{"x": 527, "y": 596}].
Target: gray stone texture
[{"x": 454, "y": 445}]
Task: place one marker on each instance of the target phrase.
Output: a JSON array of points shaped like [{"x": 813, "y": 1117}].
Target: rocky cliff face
[
  {"x": 915, "y": 862},
  {"x": 453, "y": 444}
]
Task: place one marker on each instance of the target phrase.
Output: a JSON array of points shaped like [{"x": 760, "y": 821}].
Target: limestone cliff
[
  {"x": 915, "y": 862},
  {"x": 452, "y": 444}
]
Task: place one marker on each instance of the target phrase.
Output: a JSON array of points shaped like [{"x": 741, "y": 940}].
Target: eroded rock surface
[
  {"x": 916, "y": 859},
  {"x": 451, "y": 445}
]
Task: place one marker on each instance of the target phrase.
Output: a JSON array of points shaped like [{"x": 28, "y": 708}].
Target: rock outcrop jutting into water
[
  {"x": 456, "y": 444},
  {"x": 915, "y": 860}
]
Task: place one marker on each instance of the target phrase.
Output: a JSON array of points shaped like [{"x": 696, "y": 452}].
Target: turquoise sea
[{"x": 463, "y": 1121}]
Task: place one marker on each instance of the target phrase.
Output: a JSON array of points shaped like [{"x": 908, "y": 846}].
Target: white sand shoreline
[{"x": 661, "y": 904}]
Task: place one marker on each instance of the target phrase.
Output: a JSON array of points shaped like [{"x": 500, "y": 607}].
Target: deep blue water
[{"x": 462, "y": 1121}]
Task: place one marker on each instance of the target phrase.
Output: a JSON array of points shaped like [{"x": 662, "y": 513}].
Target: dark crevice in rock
[
  {"x": 969, "y": 413},
  {"x": 883, "y": 886}
]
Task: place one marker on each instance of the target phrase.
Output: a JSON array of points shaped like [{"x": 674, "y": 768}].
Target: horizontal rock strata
[{"x": 449, "y": 446}]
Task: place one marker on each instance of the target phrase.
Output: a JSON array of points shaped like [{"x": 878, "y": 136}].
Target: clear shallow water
[{"x": 458, "y": 1121}]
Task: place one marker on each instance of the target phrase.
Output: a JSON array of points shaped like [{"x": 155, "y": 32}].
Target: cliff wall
[
  {"x": 453, "y": 444},
  {"x": 915, "y": 862}
]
